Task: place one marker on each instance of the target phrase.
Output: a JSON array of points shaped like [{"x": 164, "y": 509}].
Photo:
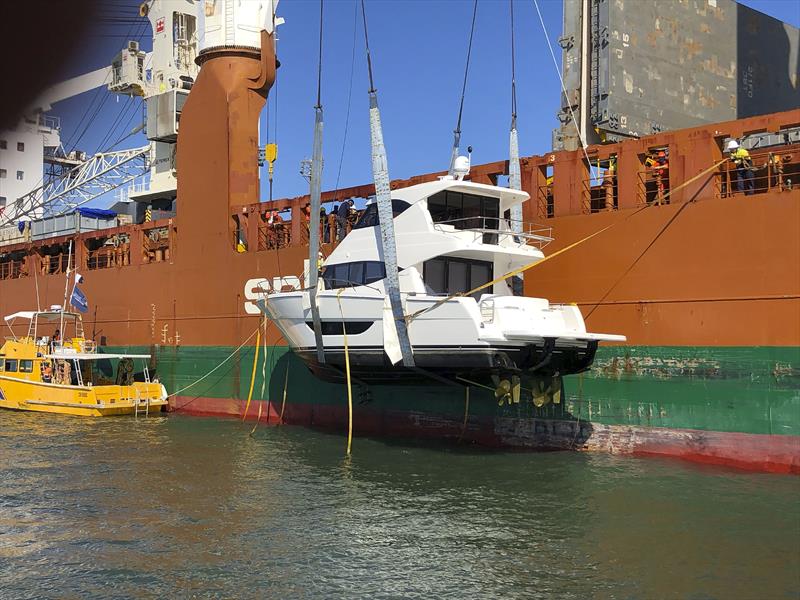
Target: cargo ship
[{"x": 703, "y": 279}]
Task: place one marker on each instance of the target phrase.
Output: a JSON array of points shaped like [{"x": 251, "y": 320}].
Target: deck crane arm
[{"x": 69, "y": 88}]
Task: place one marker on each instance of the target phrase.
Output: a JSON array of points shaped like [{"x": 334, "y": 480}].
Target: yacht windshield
[{"x": 369, "y": 218}]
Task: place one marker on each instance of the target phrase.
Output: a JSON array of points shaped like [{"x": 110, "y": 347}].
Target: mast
[{"x": 66, "y": 288}]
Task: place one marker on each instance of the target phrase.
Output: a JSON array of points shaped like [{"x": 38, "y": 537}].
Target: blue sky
[{"x": 418, "y": 51}]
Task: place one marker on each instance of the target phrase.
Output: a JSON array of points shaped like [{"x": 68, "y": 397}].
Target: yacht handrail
[{"x": 529, "y": 233}]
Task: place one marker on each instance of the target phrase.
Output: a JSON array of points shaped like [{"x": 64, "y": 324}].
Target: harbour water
[{"x": 176, "y": 507}]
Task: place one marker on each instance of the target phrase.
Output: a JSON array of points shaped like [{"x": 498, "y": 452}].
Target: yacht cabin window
[
  {"x": 355, "y": 273},
  {"x": 466, "y": 211},
  {"x": 450, "y": 275},
  {"x": 11, "y": 365},
  {"x": 26, "y": 366}
]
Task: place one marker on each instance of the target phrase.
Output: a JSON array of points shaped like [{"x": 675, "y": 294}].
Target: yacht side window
[
  {"x": 26, "y": 366},
  {"x": 355, "y": 273},
  {"x": 449, "y": 275},
  {"x": 11, "y": 365}
]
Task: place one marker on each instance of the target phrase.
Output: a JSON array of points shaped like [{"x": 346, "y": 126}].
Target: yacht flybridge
[{"x": 452, "y": 236}]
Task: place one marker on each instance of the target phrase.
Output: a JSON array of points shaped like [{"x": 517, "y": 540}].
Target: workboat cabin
[
  {"x": 460, "y": 256},
  {"x": 53, "y": 367}
]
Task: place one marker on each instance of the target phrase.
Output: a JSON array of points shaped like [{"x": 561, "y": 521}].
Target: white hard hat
[{"x": 732, "y": 145}]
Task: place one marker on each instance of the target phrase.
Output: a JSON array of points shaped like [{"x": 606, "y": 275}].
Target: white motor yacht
[{"x": 452, "y": 236}]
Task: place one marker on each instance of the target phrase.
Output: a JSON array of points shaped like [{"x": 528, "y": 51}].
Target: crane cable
[
  {"x": 457, "y": 130},
  {"x": 349, "y": 103},
  {"x": 366, "y": 44},
  {"x": 564, "y": 91},
  {"x": 513, "y": 72},
  {"x": 514, "y": 170}
]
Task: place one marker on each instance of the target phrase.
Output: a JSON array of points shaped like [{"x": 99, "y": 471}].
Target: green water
[{"x": 180, "y": 507}]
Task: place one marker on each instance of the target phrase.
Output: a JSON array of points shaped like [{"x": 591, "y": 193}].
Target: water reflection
[{"x": 184, "y": 507}]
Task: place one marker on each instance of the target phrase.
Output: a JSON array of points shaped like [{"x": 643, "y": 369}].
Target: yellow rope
[
  {"x": 258, "y": 418},
  {"x": 524, "y": 268},
  {"x": 285, "y": 387},
  {"x": 466, "y": 413},
  {"x": 347, "y": 370},
  {"x": 253, "y": 374},
  {"x": 209, "y": 373}
]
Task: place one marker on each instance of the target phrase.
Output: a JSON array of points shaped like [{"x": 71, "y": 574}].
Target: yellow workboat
[{"x": 47, "y": 371}]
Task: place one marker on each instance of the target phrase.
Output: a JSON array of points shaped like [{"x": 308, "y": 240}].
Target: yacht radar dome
[{"x": 461, "y": 167}]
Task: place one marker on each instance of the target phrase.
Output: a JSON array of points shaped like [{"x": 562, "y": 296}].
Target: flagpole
[{"x": 66, "y": 288}]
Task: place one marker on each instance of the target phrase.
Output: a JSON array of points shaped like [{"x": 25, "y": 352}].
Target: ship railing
[
  {"x": 491, "y": 230},
  {"x": 545, "y": 206},
  {"x": 652, "y": 187},
  {"x": 775, "y": 170},
  {"x": 106, "y": 257},
  {"x": 601, "y": 197},
  {"x": 274, "y": 235},
  {"x": 156, "y": 243},
  {"x": 13, "y": 269}
]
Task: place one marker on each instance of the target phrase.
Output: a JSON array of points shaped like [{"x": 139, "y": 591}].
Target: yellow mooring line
[
  {"x": 347, "y": 371},
  {"x": 253, "y": 374},
  {"x": 466, "y": 413},
  {"x": 285, "y": 387}
]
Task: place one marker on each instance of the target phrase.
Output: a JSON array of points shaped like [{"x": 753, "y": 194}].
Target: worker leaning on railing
[{"x": 745, "y": 176}]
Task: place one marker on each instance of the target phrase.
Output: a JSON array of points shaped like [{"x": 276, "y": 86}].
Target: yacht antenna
[
  {"x": 514, "y": 172},
  {"x": 315, "y": 182},
  {"x": 380, "y": 172},
  {"x": 457, "y": 130}
]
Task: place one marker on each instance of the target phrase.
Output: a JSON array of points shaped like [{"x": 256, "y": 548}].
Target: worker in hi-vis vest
[{"x": 744, "y": 168}]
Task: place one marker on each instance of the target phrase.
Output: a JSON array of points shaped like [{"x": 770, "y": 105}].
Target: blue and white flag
[{"x": 78, "y": 300}]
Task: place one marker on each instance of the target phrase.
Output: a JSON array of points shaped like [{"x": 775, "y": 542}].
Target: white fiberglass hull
[{"x": 460, "y": 337}]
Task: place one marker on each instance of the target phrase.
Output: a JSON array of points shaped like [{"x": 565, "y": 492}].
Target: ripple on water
[{"x": 180, "y": 507}]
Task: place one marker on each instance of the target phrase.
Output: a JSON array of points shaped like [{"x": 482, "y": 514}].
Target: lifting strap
[
  {"x": 514, "y": 171},
  {"x": 316, "y": 197},
  {"x": 380, "y": 173}
]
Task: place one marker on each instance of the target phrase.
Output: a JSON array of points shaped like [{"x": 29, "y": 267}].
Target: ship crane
[{"x": 104, "y": 172}]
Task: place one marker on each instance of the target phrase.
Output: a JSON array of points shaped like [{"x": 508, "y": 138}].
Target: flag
[
  {"x": 78, "y": 300},
  {"x": 78, "y": 278}
]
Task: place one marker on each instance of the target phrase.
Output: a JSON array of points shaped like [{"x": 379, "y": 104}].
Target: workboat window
[
  {"x": 369, "y": 218},
  {"x": 26, "y": 366},
  {"x": 466, "y": 211},
  {"x": 335, "y": 327},
  {"x": 449, "y": 275},
  {"x": 11, "y": 365},
  {"x": 355, "y": 273}
]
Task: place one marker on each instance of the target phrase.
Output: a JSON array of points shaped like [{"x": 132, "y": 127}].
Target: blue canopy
[{"x": 96, "y": 213}]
